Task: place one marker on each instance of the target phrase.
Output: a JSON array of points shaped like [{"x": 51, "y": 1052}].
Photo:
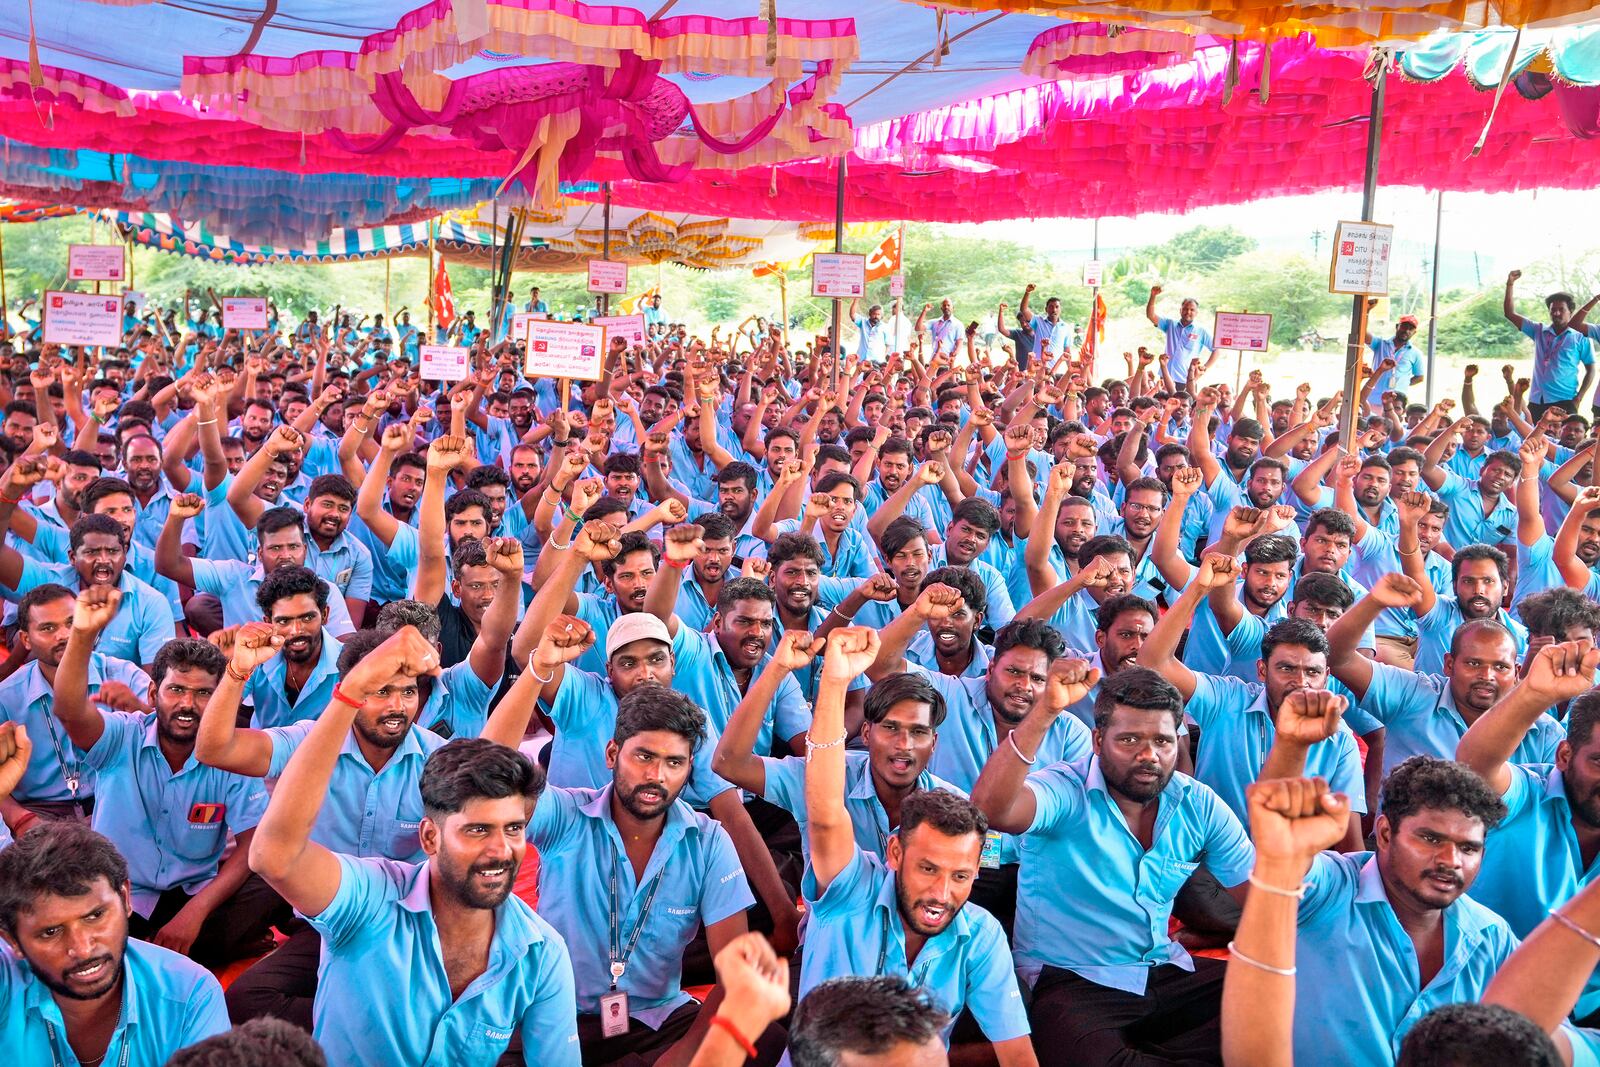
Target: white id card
[{"x": 613, "y": 1014}]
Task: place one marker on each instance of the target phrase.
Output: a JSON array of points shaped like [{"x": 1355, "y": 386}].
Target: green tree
[
  {"x": 1289, "y": 286},
  {"x": 1475, "y": 326},
  {"x": 1204, "y": 249}
]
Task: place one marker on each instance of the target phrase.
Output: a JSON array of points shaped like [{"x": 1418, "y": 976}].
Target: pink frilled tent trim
[
  {"x": 1161, "y": 141},
  {"x": 1095, "y": 49},
  {"x": 64, "y": 87}
]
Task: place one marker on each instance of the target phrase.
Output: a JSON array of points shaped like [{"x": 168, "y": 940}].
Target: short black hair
[
  {"x": 834, "y": 479},
  {"x": 280, "y": 518},
  {"x": 488, "y": 474},
  {"x": 1273, "y": 548},
  {"x": 467, "y": 498},
  {"x": 891, "y": 689},
  {"x": 965, "y": 581},
  {"x": 946, "y": 812},
  {"x": 78, "y": 457},
  {"x": 621, "y": 463},
  {"x": 630, "y": 542},
  {"x": 1428, "y": 782},
  {"x": 788, "y": 546},
  {"x": 1473, "y": 553},
  {"x": 1466, "y": 1035},
  {"x": 1328, "y": 590},
  {"x": 745, "y": 589},
  {"x": 1554, "y": 612},
  {"x": 474, "y": 768},
  {"x": 1333, "y": 521},
  {"x": 407, "y": 459},
  {"x": 262, "y": 1042},
  {"x": 101, "y": 488},
  {"x": 56, "y": 858},
  {"x": 339, "y": 487},
  {"x": 96, "y": 524},
  {"x": 715, "y": 526},
  {"x": 290, "y": 581},
  {"x": 1149, "y": 485},
  {"x": 900, "y": 533},
  {"x": 977, "y": 513},
  {"x": 1136, "y": 687},
  {"x": 651, "y": 707},
  {"x": 1108, "y": 613},
  {"x": 737, "y": 471},
  {"x": 1301, "y": 633},
  {"x": 1505, "y": 458},
  {"x": 863, "y": 1016},
  {"x": 46, "y": 593},
  {"x": 187, "y": 653},
  {"x": 1029, "y": 633}
]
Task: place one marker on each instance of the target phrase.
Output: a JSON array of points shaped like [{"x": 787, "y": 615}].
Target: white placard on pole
[
  {"x": 630, "y": 327},
  {"x": 1093, "y": 273},
  {"x": 839, "y": 275},
  {"x": 443, "y": 363},
  {"x": 565, "y": 350},
  {"x": 244, "y": 313},
  {"x": 520, "y": 320},
  {"x": 96, "y": 263},
  {"x": 136, "y": 298},
  {"x": 1242, "y": 330},
  {"x": 82, "y": 319},
  {"x": 607, "y": 276},
  {"x": 897, "y": 285},
  {"x": 1361, "y": 259}
]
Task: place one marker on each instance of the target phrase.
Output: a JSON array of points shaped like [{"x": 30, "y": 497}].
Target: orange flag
[{"x": 885, "y": 259}]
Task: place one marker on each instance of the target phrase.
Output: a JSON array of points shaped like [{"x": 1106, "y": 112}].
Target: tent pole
[
  {"x": 1358, "y": 315},
  {"x": 605, "y": 248},
  {"x": 838, "y": 246},
  {"x": 1433, "y": 295}
]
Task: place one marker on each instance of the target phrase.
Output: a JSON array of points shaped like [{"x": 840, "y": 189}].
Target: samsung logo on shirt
[
  {"x": 682, "y": 911},
  {"x": 497, "y": 1035}
]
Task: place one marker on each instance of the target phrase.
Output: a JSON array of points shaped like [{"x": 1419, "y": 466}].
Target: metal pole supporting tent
[
  {"x": 838, "y": 246},
  {"x": 1349, "y": 413},
  {"x": 605, "y": 247},
  {"x": 1433, "y": 294}
]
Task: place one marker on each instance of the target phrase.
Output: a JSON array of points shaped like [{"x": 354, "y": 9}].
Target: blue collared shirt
[
  {"x": 1362, "y": 996},
  {"x": 855, "y": 929},
  {"x": 235, "y": 585},
  {"x": 273, "y": 707},
  {"x": 225, "y": 536},
  {"x": 697, "y": 879},
  {"x": 921, "y": 652},
  {"x": 1183, "y": 344},
  {"x": 1420, "y": 713},
  {"x": 1407, "y": 365},
  {"x": 142, "y": 624},
  {"x": 366, "y": 812},
  {"x": 459, "y": 703},
  {"x": 171, "y": 827},
  {"x": 786, "y": 788},
  {"x": 380, "y": 924},
  {"x": 1532, "y": 862},
  {"x": 27, "y": 698},
  {"x": 854, "y": 559},
  {"x": 1556, "y": 359},
  {"x": 1239, "y": 732},
  {"x": 1467, "y": 524},
  {"x": 1437, "y": 629},
  {"x": 168, "y": 1002},
  {"x": 1377, "y": 554},
  {"x": 584, "y": 714},
  {"x": 1107, "y": 921},
  {"x": 346, "y": 564},
  {"x": 999, "y": 608},
  {"x": 702, "y": 672}
]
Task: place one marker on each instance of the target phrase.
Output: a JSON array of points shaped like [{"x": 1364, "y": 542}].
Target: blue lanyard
[
  {"x": 620, "y": 955},
  {"x": 55, "y": 1057}
]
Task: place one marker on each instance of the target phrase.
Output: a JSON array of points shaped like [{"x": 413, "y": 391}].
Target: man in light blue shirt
[
  {"x": 170, "y": 815},
  {"x": 1559, "y": 349},
  {"x": 909, "y": 913},
  {"x": 635, "y": 860},
  {"x": 1184, "y": 338},
  {"x": 1544, "y": 853},
  {"x": 1478, "y": 576},
  {"x": 494, "y": 967},
  {"x": 1107, "y": 843},
  {"x": 1480, "y": 512},
  {"x": 982, "y": 713},
  {"x": 1391, "y": 932},
  {"x": 65, "y": 925},
  {"x": 1428, "y": 714},
  {"x": 873, "y": 334},
  {"x": 1404, "y": 372},
  {"x": 535, "y": 304},
  {"x": 1051, "y": 333}
]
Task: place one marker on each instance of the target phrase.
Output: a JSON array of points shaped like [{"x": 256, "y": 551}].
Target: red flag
[
  {"x": 885, "y": 259},
  {"x": 441, "y": 299}
]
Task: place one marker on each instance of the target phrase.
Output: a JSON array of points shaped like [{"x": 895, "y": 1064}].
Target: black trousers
[
  {"x": 995, "y": 892},
  {"x": 1538, "y": 410},
  {"x": 282, "y": 985},
  {"x": 642, "y": 1046},
  {"x": 233, "y": 931},
  {"x": 1175, "y": 1021}
]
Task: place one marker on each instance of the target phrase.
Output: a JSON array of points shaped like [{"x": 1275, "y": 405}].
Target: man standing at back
[{"x": 1184, "y": 338}]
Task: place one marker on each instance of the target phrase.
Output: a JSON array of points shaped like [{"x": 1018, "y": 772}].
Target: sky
[{"x": 1484, "y": 234}]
